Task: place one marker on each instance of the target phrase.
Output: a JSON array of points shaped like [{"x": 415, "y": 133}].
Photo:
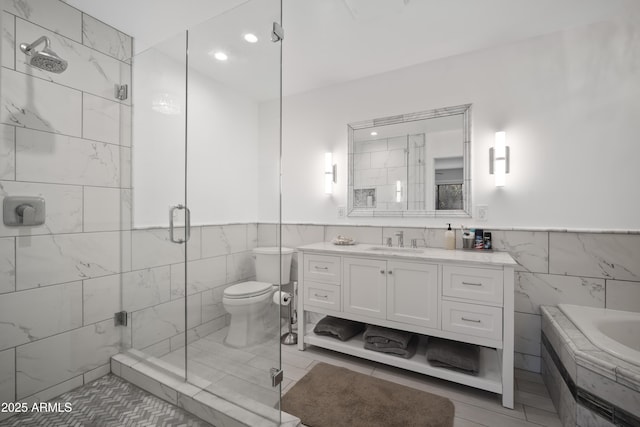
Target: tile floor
[
  {"x": 533, "y": 407},
  {"x": 245, "y": 371},
  {"x": 108, "y": 402}
]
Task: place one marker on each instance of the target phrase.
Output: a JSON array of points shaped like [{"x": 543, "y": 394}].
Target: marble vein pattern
[
  {"x": 204, "y": 274},
  {"x": 66, "y": 257},
  {"x": 53, "y": 309},
  {"x": 240, "y": 267},
  {"x": 126, "y": 126},
  {"x": 55, "y": 359},
  {"x": 146, "y": 288},
  {"x": 102, "y": 208},
  {"x": 152, "y": 248},
  {"x": 63, "y": 204},
  {"x": 586, "y": 418},
  {"x": 88, "y": 70},
  {"x": 371, "y": 235},
  {"x": 7, "y": 375},
  {"x": 101, "y": 298},
  {"x": 560, "y": 394},
  {"x": 607, "y": 256},
  {"x": 212, "y": 307},
  {"x": 154, "y": 324},
  {"x": 38, "y": 104},
  {"x": 528, "y": 248},
  {"x": 100, "y": 119},
  {"x": 7, "y": 152},
  {"x": 55, "y": 16},
  {"x": 105, "y": 39},
  {"x": 224, "y": 239},
  {"x": 294, "y": 235},
  {"x": 125, "y": 167},
  {"x": 47, "y": 157},
  {"x": 527, "y": 333},
  {"x": 7, "y": 265},
  {"x": 609, "y": 390},
  {"x": 535, "y": 289},
  {"x": 8, "y": 40}
]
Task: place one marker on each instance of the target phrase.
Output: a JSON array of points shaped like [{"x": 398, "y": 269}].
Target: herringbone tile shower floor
[{"x": 108, "y": 402}]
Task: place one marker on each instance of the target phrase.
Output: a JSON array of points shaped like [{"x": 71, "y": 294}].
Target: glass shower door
[
  {"x": 153, "y": 291},
  {"x": 233, "y": 128},
  {"x": 205, "y": 161}
]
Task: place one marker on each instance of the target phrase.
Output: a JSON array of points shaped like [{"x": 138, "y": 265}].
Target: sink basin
[{"x": 396, "y": 250}]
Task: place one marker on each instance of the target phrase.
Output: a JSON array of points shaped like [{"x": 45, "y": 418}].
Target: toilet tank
[{"x": 267, "y": 267}]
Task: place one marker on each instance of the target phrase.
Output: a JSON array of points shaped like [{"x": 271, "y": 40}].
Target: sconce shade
[
  {"x": 499, "y": 159},
  {"x": 330, "y": 172}
]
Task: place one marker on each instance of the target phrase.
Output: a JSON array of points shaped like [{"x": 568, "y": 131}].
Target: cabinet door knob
[
  {"x": 390, "y": 272},
  {"x": 381, "y": 271}
]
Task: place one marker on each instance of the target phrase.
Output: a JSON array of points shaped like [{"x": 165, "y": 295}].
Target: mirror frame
[{"x": 465, "y": 212}]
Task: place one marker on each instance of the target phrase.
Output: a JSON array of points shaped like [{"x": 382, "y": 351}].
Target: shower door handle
[{"x": 187, "y": 223}]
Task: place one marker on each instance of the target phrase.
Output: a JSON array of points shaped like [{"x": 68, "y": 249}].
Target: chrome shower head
[{"x": 46, "y": 59}]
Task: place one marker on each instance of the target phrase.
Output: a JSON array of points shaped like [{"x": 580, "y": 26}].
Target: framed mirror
[{"x": 412, "y": 165}]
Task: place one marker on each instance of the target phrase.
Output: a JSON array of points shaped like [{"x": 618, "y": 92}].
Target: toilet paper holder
[
  {"x": 289, "y": 337},
  {"x": 23, "y": 211}
]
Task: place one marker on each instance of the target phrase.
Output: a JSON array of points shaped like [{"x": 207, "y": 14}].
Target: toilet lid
[{"x": 247, "y": 289}]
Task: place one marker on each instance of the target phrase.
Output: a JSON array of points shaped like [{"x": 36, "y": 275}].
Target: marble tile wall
[
  {"x": 153, "y": 292},
  {"x": 63, "y": 137},
  {"x": 596, "y": 269}
]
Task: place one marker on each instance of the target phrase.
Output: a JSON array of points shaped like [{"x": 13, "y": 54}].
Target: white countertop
[{"x": 423, "y": 254}]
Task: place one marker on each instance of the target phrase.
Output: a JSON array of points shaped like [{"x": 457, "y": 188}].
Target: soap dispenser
[{"x": 449, "y": 238}]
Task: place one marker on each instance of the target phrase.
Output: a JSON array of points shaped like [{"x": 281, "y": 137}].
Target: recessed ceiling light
[
  {"x": 220, "y": 56},
  {"x": 374, "y": 133},
  {"x": 251, "y": 38}
]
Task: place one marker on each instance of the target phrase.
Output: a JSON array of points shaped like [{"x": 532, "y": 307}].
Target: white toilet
[{"x": 249, "y": 302}]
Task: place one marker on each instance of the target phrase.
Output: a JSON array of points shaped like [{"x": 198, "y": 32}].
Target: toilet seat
[{"x": 247, "y": 290}]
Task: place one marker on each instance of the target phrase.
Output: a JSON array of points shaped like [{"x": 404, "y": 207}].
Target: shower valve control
[{"x": 23, "y": 211}]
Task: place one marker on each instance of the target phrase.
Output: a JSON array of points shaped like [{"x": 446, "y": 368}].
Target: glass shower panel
[
  {"x": 153, "y": 291},
  {"x": 233, "y": 129}
]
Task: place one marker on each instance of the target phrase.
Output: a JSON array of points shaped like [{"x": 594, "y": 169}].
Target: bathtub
[{"x": 616, "y": 332}]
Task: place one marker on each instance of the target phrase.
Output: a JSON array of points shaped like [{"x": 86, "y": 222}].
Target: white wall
[
  {"x": 568, "y": 102},
  {"x": 222, "y": 147}
]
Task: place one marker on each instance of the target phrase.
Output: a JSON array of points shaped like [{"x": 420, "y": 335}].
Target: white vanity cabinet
[
  {"x": 458, "y": 295},
  {"x": 412, "y": 293},
  {"x": 400, "y": 291}
]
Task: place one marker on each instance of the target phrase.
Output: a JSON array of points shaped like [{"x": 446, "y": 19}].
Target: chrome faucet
[
  {"x": 400, "y": 236},
  {"x": 414, "y": 243}
]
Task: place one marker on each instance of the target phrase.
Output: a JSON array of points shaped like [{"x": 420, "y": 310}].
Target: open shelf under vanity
[{"x": 488, "y": 378}]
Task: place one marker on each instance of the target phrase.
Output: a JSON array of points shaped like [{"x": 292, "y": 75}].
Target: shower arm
[{"x": 27, "y": 48}]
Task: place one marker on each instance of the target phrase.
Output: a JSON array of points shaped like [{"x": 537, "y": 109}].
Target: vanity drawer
[
  {"x": 322, "y": 295},
  {"x": 322, "y": 268},
  {"x": 479, "y": 284},
  {"x": 470, "y": 319}
]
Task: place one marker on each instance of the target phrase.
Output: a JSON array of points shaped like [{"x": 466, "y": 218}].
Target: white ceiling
[{"x": 333, "y": 41}]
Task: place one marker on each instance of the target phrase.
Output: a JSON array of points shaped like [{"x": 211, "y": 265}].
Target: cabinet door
[
  {"x": 364, "y": 287},
  {"x": 412, "y": 293}
]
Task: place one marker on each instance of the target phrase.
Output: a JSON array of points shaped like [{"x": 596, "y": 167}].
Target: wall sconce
[
  {"x": 330, "y": 173},
  {"x": 398, "y": 191},
  {"x": 499, "y": 159}
]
